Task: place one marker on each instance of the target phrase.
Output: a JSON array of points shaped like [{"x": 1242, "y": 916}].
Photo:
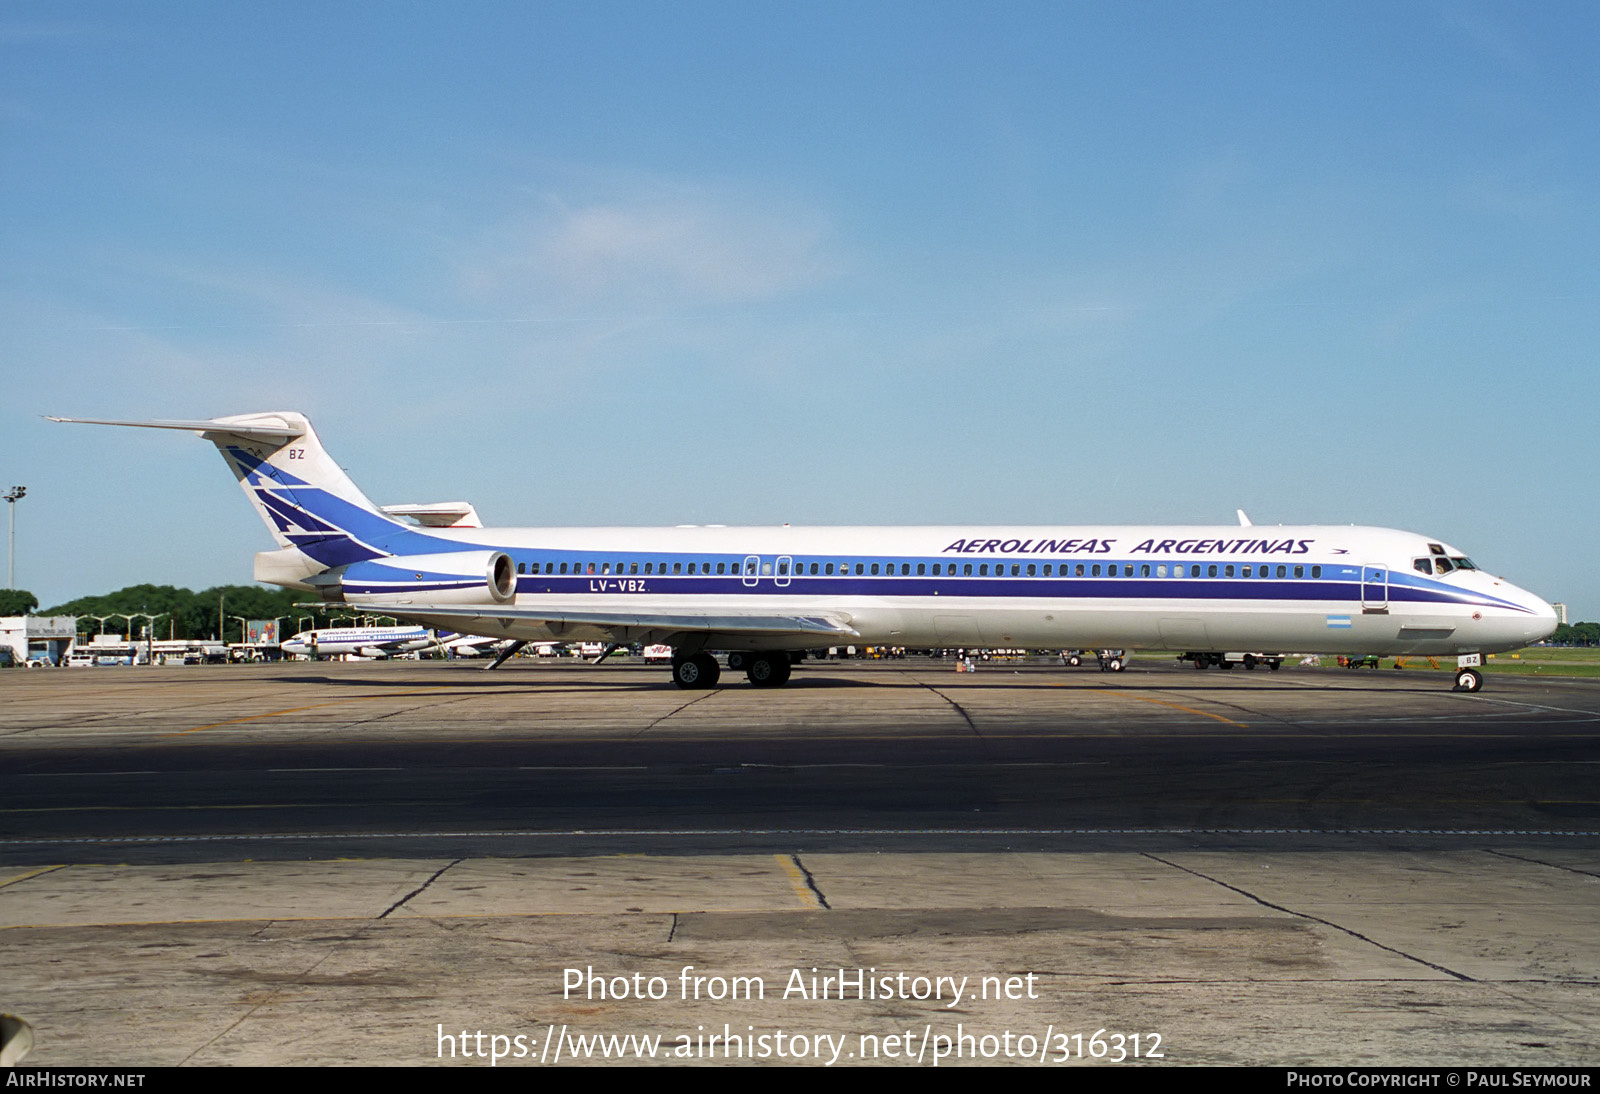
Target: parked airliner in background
[
  {"x": 362, "y": 641},
  {"x": 766, "y": 592}
]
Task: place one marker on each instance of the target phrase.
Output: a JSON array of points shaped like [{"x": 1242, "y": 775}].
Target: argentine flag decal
[{"x": 1339, "y": 621}]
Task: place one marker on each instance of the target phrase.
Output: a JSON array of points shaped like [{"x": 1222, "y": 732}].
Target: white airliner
[
  {"x": 765, "y": 592},
  {"x": 362, "y": 641}
]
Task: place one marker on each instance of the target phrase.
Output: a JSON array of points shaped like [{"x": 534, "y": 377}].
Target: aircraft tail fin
[{"x": 306, "y": 500}]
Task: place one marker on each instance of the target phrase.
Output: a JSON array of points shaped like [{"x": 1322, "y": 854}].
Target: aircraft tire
[
  {"x": 1469, "y": 680},
  {"x": 737, "y": 659},
  {"x": 1074, "y": 661},
  {"x": 1116, "y": 664},
  {"x": 768, "y": 670},
  {"x": 696, "y": 673}
]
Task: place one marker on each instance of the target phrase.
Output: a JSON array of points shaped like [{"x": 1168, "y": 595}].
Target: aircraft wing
[{"x": 622, "y": 626}]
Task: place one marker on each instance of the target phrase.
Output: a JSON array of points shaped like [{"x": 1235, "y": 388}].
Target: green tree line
[
  {"x": 1578, "y": 634},
  {"x": 182, "y": 613}
]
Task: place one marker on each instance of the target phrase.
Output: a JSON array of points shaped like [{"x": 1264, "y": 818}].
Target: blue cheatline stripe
[{"x": 1306, "y": 591}]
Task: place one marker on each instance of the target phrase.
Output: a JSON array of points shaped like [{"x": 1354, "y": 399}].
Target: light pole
[
  {"x": 244, "y": 636},
  {"x": 133, "y": 639},
  {"x": 16, "y": 495}
]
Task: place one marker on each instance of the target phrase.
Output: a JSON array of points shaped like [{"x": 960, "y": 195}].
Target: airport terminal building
[{"x": 25, "y": 637}]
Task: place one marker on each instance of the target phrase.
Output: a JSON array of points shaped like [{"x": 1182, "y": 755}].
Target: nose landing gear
[{"x": 1469, "y": 678}]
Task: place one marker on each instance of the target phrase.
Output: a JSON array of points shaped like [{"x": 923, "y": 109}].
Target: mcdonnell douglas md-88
[{"x": 766, "y": 592}]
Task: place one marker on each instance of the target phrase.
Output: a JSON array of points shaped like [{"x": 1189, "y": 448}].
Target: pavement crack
[
  {"x": 959, "y": 709},
  {"x": 1542, "y": 862},
  {"x": 397, "y": 904},
  {"x": 811, "y": 882},
  {"x": 272, "y": 997},
  {"x": 1314, "y": 919},
  {"x": 674, "y": 712},
  {"x": 673, "y": 931}
]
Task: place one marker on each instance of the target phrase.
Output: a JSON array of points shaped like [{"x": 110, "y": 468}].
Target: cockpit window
[
  {"x": 1463, "y": 563},
  {"x": 1435, "y": 549},
  {"x": 1444, "y": 565},
  {"x": 1422, "y": 566}
]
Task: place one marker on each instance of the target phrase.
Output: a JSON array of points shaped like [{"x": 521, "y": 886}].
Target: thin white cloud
[{"x": 655, "y": 252}]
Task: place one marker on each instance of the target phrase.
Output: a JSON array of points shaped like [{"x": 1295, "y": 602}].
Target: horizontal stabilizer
[{"x": 263, "y": 427}]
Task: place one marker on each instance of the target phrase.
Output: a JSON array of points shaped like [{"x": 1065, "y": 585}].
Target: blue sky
[{"x": 929, "y": 262}]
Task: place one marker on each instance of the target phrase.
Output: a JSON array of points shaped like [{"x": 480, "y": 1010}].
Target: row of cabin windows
[{"x": 938, "y": 569}]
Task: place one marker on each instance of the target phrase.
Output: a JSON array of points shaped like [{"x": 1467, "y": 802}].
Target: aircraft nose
[
  {"x": 1544, "y": 621},
  {"x": 1536, "y": 622}
]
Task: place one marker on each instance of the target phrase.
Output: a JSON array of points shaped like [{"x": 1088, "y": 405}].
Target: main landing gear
[
  {"x": 762, "y": 669},
  {"x": 696, "y": 672},
  {"x": 767, "y": 670}
]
